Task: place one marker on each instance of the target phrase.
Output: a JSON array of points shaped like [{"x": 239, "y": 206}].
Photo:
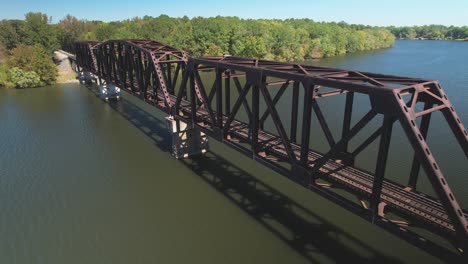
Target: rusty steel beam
[
  {"x": 199, "y": 92},
  {"x": 86, "y": 55}
]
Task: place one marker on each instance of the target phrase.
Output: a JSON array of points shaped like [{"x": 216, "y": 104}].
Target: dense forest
[
  {"x": 25, "y": 43},
  {"x": 430, "y": 32},
  {"x": 285, "y": 40},
  {"x": 26, "y": 48}
]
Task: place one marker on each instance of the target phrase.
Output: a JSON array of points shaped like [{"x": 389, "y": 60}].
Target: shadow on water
[{"x": 304, "y": 231}]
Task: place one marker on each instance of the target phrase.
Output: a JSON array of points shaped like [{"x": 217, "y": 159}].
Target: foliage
[
  {"x": 430, "y": 32},
  {"x": 24, "y": 79},
  {"x": 70, "y": 30},
  {"x": 2, "y": 53},
  {"x": 29, "y": 43},
  {"x": 252, "y": 47},
  {"x": 284, "y": 40},
  {"x": 11, "y": 33},
  {"x": 3, "y": 76},
  {"x": 37, "y": 30},
  {"x": 34, "y": 59},
  {"x": 3, "y": 68}
]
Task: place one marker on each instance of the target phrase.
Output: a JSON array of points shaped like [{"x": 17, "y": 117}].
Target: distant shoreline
[{"x": 430, "y": 39}]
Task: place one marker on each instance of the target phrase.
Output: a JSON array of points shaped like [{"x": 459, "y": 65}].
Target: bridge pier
[
  {"x": 186, "y": 141},
  {"x": 109, "y": 91},
  {"x": 86, "y": 77}
]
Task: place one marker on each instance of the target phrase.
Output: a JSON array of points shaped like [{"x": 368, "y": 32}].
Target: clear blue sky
[{"x": 370, "y": 12}]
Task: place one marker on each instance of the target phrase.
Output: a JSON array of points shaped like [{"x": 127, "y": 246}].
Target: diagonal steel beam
[{"x": 278, "y": 124}]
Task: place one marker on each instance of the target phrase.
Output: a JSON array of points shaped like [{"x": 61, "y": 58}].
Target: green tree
[
  {"x": 11, "y": 33},
  {"x": 430, "y": 32},
  {"x": 408, "y": 33},
  {"x": 70, "y": 30},
  {"x": 283, "y": 44},
  {"x": 3, "y": 76},
  {"x": 183, "y": 35},
  {"x": 285, "y": 40},
  {"x": 34, "y": 59},
  {"x": 24, "y": 79},
  {"x": 105, "y": 31},
  {"x": 356, "y": 41},
  {"x": 2, "y": 53},
  {"x": 38, "y": 31},
  {"x": 211, "y": 35},
  {"x": 253, "y": 47},
  {"x": 328, "y": 47}
]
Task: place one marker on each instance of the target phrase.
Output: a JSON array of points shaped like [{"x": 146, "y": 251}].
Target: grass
[{"x": 66, "y": 77}]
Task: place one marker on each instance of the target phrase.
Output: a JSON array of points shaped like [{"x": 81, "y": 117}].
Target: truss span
[{"x": 236, "y": 101}]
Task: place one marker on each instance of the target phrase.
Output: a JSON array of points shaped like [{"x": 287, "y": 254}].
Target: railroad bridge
[{"x": 230, "y": 100}]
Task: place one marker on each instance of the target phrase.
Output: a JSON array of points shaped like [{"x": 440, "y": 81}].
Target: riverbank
[
  {"x": 447, "y": 39},
  {"x": 65, "y": 72}
]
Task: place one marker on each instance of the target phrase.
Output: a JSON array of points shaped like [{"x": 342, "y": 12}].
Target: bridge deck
[{"x": 419, "y": 207}]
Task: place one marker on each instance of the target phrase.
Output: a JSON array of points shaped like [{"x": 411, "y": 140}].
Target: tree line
[
  {"x": 435, "y": 32},
  {"x": 26, "y": 48},
  {"x": 282, "y": 40},
  {"x": 272, "y": 39}
]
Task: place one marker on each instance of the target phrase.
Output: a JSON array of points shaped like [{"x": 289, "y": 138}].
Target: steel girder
[
  {"x": 200, "y": 91},
  {"x": 86, "y": 55}
]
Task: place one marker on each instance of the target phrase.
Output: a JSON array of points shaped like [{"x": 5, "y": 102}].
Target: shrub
[
  {"x": 2, "y": 53},
  {"x": 34, "y": 58},
  {"x": 3, "y": 76},
  {"x": 24, "y": 79}
]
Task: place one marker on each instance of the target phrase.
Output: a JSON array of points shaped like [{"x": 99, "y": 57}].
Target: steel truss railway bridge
[{"x": 236, "y": 101}]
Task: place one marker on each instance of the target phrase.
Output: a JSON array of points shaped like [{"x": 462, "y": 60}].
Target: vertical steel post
[
  {"x": 227, "y": 94},
  {"x": 255, "y": 117},
  {"x": 416, "y": 165},
  {"x": 381, "y": 165},
  {"x": 306, "y": 120},
  {"x": 140, "y": 75},
  {"x": 219, "y": 100},
  {"x": 130, "y": 68},
  {"x": 294, "y": 112},
  {"x": 193, "y": 97},
  {"x": 169, "y": 79},
  {"x": 176, "y": 76},
  {"x": 114, "y": 62},
  {"x": 348, "y": 113}
]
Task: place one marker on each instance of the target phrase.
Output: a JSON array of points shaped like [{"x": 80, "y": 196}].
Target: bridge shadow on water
[{"x": 301, "y": 229}]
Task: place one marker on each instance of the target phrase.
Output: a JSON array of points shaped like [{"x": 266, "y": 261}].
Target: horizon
[{"x": 329, "y": 11}]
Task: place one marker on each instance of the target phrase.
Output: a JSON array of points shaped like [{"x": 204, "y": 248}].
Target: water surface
[{"x": 83, "y": 181}]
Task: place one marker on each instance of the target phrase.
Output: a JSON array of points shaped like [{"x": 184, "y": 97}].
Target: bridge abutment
[{"x": 186, "y": 141}]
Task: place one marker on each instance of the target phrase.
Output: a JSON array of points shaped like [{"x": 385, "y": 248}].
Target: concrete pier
[
  {"x": 186, "y": 141},
  {"x": 109, "y": 91},
  {"x": 86, "y": 77}
]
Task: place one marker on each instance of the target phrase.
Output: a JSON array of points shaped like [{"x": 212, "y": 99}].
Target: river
[{"x": 83, "y": 181}]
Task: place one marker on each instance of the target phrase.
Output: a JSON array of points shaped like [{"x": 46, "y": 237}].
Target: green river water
[{"x": 83, "y": 181}]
